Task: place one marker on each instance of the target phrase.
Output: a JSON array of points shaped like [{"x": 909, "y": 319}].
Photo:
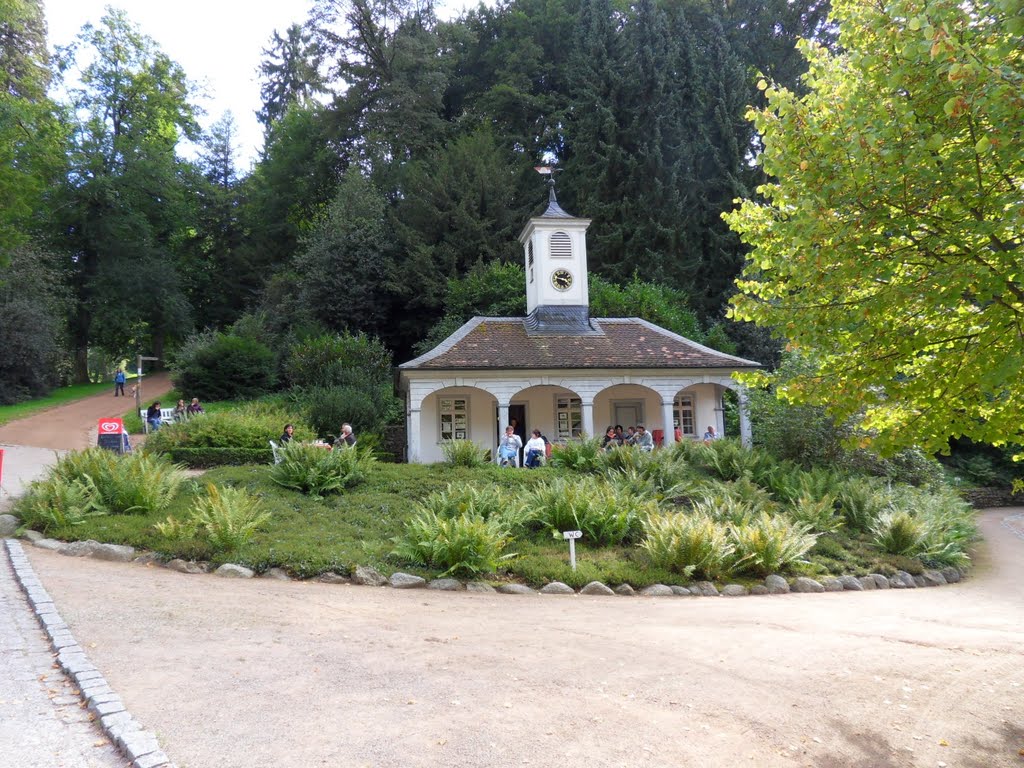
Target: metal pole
[
  {"x": 138, "y": 384},
  {"x": 572, "y": 553}
]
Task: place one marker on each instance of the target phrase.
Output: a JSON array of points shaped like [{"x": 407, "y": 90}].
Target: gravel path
[
  {"x": 262, "y": 673},
  {"x": 42, "y": 724}
]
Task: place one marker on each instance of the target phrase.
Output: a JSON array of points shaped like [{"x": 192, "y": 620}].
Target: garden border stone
[{"x": 139, "y": 746}]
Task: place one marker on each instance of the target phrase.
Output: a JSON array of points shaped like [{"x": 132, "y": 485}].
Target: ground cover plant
[{"x": 667, "y": 517}]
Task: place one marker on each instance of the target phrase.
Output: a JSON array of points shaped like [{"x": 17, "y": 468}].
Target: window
[
  {"x": 568, "y": 418},
  {"x": 529, "y": 253},
  {"x": 454, "y": 414},
  {"x": 682, "y": 414},
  {"x": 561, "y": 246}
]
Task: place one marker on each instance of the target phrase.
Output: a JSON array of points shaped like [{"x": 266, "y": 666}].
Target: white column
[
  {"x": 413, "y": 438},
  {"x": 666, "y": 418},
  {"x": 746, "y": 433},
  {"x": 587, "y": 414}
]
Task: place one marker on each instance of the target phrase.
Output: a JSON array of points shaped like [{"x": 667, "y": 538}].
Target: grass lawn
[
  {"x": 308, "y": 536},
  {"x": 59, "y": 396}
]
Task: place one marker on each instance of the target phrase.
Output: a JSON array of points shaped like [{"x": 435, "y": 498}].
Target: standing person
[
  {"x": 508, "y": 447},
  {"x": 346, "y": 439},
  {"x": 535, "y": 448},
  {"x": 119, "y": 379},
  {"x": 710, "y": 434},
  {"x": 194, "y": 407},
  {"x": 153, "y": 416},
  {"x": 643, "y": 439}
]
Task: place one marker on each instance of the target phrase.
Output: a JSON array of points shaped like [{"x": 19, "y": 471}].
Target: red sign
[{"x": 111, "y": 426}]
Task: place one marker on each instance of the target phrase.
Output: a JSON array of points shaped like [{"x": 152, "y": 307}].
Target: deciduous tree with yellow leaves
[{"x": 888, "y": 244}]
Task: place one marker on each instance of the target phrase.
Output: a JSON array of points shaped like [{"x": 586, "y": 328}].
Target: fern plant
[
  {"x": 463, "y": 545},
  {"x": 580, "y": 455},
  {"x": 57, "y": 503},
  {"x": 688, "y": 544},
  {"x": 590, "y": 505},
  {"x": 817, "y": 513},
  {"x": 315, "y": 471},
  {"x": 463, "y": 453},
  {"x": 770, "y": 543},
  {"x": 226, "y": 518}
]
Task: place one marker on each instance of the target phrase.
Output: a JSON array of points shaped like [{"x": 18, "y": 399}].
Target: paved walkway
[{"x": 42, "y": 722}]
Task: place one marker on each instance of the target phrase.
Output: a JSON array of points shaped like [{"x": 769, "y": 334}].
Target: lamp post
[{"x": 138, "y": 380}]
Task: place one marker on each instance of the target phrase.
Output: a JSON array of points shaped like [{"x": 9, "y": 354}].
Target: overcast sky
[{"x": 218, "y": 42}]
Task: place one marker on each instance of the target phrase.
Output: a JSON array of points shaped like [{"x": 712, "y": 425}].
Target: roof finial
[{"x": 554, "y": 210}]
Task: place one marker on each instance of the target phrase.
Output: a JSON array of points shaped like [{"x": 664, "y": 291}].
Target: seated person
[
  {"x": 710, "y": 435},
  {"x": 286, "y": 436},
  {"x": 608, "y": 441},
  {"x": 194, "y": 407},
  {"x": 535, "y": 450},
  {"x": 179, "y": 410},
  {"x": 630, "y": 435},
  {"x": 643, "y": 439},
  {"x": 153, "y": 416},
  {"x": 620, "y": 436},
  {"x": 346, "y": 439},
  {"x": 508, "y": 447}
]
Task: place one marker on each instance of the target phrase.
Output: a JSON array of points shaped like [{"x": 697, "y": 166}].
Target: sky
[{"x": 218, "y": 42}]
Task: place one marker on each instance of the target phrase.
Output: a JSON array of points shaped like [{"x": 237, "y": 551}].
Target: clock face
[{"x": 561, "y": 279}]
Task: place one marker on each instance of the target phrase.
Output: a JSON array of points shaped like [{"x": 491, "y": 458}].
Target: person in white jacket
[
  {"x": 535, "y": 450},
  {"x": 508, "y": 448}
]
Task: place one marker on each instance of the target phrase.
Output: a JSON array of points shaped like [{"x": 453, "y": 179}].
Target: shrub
[
  {"x": 467, "y": 544},
  {"x": 252, "y": 426},
  {"x": 463, "y": 453},
  {"x": 688, "y": 544},
  {"x": 204, "y": 458},
  {"x": 727, "y": 459},
  {"x": 725, "y": 509},
  {"x": 367, "y": 408},
  {"x": 333, "y": 360},
  {"x": 769, "y": 543},
  {"x": 582, "y": 455},
  {"x": 590, "y": 505},
  {"x": 316, "y": 471},
  {"x": 57, "y": 503},
  {"x": 218, "y": 366},
  {"x": 29, "y": 337},
  {"x": 226, "y": 518}
]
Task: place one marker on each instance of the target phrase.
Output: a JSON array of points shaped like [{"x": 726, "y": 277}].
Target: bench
[{"x": 166, "y": 417}]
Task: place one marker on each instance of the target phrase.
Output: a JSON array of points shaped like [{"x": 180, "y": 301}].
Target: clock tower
[{"x": 555, "y": 256}]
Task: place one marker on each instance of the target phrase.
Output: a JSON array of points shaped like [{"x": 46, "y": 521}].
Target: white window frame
[
  {"x": 677, "y": 413},
  {"x": 448, "y": 408},
  {"x": 568, "y": 405}
]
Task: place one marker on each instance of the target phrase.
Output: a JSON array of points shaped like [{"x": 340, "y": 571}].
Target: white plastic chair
[{"x": 276, "y": 450}]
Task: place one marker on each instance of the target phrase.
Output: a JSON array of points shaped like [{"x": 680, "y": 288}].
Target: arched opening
[
  {"x": 629, "y": 405},
  {"x": 556, "y": 411},
  {"x": 452, "y": 413}
]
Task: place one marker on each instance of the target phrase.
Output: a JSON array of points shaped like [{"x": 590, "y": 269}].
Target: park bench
[{"x": 166, "y": 417}]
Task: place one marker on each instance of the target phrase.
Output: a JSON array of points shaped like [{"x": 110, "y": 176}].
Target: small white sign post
[{"x": 571, "y": 537}]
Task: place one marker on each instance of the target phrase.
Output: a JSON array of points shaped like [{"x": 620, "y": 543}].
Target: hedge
[{"x": 203, "y": 458}]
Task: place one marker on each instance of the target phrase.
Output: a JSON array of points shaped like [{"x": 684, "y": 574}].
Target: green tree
[
  {"x": 123, "y": 206},
  {"x": 291, "y": 73},
  {"x": 889, "y": 245},
  {"x": 344, "y": 260},
  {"x": 31, "y": 138}
]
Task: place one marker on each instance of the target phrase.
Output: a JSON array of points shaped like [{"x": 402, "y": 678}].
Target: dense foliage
[{"x": 888, "y": 246}]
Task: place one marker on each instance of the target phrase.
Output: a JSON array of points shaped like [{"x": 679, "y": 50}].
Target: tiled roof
[{"x": 503, "y": 342}]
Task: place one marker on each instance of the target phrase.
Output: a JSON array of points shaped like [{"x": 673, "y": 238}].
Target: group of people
[
  {"x": 181, "y": 411},
  {"x": 510, "y": 444},
  {"x": 615, "y": 437},
  {"x": 346, "y": 438}
]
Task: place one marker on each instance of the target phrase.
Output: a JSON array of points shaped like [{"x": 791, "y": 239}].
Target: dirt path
[
  {"x": 73, "y": 426},
  {"x": 262, "y": 673}
]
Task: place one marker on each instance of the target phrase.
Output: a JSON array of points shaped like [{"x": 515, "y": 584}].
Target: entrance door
[
  {"x": 628, "y": 414},
  {"x": 516, "y": 417}
]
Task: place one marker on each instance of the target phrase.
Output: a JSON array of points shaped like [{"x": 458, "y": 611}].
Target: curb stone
[{"x": 140, "y": 747}]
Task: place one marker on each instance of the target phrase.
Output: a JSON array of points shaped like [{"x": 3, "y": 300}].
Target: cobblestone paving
[{"x": 42, "y": 724}]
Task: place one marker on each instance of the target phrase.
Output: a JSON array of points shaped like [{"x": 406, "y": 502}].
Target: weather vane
[{"x": 549, "y": 171}]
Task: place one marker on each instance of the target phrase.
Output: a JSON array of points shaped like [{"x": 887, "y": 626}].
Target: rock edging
[
  {"x": 366, "y": 575},
  {"x": 138, "y": 745}
]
